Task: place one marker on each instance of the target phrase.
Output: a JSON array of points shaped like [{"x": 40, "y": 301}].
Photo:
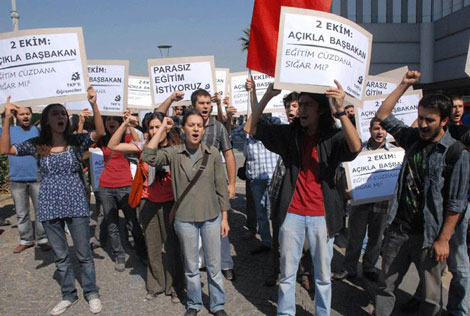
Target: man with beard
[
  {"x": 429, "y": 200},
  {"x": 25, "y": 185}
]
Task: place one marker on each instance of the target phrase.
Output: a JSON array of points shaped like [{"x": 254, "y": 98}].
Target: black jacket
[{"x": 332, "y": 149}]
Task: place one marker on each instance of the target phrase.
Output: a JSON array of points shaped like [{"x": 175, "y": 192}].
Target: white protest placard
[
  {"x": 222, "y": 81},
  {"x": 379, "y": 85},
  {"x": 43, "y": 66},
  {"x": 96, "y": 167},
  {"x": 109, "y": 78},
  {"x": 315, "y": 48},
  {"x": 467, "y": 65},
  {"x": 186, "y": 74},
  {"x": 373, "y": 175},
  {"x": 239, "y": 95},
  {"x": 405, "y": 110},
  {"x": 139, "y": 95}
]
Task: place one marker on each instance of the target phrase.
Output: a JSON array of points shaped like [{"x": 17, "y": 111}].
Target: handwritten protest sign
[
  {"x": 467, "y": 66},
  {"x": 315, "y": 48},
  {"x": 373, "y": 175},
  {"x": 43, "y": 66},
  {"x": 222, "y": 81},
  {"x": 239, "y": 95},
  {"x": 139, "y": 95},
  {"x": 186, "y": 74},
  {"x": 96, "y": 167},
  {"x": 379, "y": 85},
  {"x": 406, "y": 110},
  {"x": 109, "y": 78}
]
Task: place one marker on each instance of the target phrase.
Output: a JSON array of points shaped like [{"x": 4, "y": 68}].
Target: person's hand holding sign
[
  {"x": 92, "y": 96},
  {"x": 10, "y": 109},
  {"x": 337, "y": 97}
]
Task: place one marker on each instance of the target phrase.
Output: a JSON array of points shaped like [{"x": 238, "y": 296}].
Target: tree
[{"x": 245, "y": 39}]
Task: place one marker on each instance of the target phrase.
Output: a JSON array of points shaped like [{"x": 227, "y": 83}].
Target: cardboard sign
[
  {"x": 139, "y": 95},
  {"x": 395, "y": 74},
  {"x": 379, "y": 85},
  {"x": 467, "y": 65},
  {"x": 109, "y": 78},
  {"x": 373, "y": 175},
  {"x": 43, "y": 66},
  {"x": 186, "y": 74},
  {"x": 239, "y": 95},
  {"x": 222, "y": 81},
  {"x": 406, "y": 110},
  {"x": 315, "y": 48},
  {"x": 96, "y": 167}
]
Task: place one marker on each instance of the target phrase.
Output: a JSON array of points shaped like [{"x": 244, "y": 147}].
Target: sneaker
[
  {"x": 174, "y": 298},
  {"x": 95, "y": 305},
  {"x": 62, "y": 306},
  {"x": 120, "y": 264}
]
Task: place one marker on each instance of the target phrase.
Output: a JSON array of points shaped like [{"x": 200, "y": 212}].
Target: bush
[{"x": 4, "y": 174}]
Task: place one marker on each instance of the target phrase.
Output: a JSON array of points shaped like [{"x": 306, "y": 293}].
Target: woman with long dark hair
[
  {"x": 62, "y": 194},
  {"x": 115, "y": 186},
  {"x": 156, "y": 203}
]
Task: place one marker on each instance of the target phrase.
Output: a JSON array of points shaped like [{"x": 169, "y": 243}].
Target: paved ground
[{"x": 28, "y": 286}]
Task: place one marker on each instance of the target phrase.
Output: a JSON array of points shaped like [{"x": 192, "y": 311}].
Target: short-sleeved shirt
[
  {"x": 216, "y": 135},
  {"x": 117, "y": 171},
  {"x": 62, "y": 193},
  {"x": 22, "y": 168}
]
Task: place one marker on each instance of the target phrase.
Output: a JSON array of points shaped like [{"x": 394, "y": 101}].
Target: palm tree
[{"x": 245, "y": 39}]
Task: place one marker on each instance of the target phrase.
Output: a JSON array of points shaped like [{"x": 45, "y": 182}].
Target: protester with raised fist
[
  {"x": 429, "y": 202},
  {"x": 156, "y": 201},
  {"x": 62, "y": 195},
  {"x": 200, "y": 190}
]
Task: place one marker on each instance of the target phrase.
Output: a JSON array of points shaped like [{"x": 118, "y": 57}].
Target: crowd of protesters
[{"x": 173, "y": 177}]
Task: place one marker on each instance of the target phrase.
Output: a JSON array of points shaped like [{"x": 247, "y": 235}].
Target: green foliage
[
  {"x": 4, "y": 174},
  {"x": 245, "y": 39}
]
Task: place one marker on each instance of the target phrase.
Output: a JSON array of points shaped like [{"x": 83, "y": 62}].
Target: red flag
[{"x": 265, "y": 29}]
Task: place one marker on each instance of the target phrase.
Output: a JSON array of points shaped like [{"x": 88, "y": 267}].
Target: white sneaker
[
  {"x": 95, "y": 305},
  {"x": 62, "y": 307}
]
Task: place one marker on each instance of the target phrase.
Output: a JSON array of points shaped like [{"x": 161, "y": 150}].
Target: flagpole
[
  {"x": 248, "y": 107},
  {"x": 15, "y": 17}
]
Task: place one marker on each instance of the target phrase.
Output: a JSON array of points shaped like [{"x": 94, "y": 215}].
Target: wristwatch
[{"x": 339, "y": 114}]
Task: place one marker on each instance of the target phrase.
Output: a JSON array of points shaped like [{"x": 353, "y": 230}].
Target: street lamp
[{"x": 164, "y": 50}]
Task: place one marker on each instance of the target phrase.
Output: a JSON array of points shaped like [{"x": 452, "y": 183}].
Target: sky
[{"x": 132, "y": 30}]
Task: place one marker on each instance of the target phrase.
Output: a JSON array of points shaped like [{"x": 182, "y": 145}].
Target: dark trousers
[
  {"x": 159, "y": 234},
  {"x": 360, "y": 220},
  {"x": 251, "y": 221},
  {"x": 400, "y": 250},
  {"x": 112, "y": 200}
]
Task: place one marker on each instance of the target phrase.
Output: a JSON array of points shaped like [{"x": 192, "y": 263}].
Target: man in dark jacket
[{"x": 310, "y": 206}]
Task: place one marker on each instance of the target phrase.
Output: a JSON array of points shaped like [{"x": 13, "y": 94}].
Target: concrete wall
[{"x": 397, "y": 45}]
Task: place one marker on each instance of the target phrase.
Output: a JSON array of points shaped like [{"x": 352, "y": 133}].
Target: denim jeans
[
  {"x": 188, "y": 235},
  {"x": 291, "y": 240},
  {"x": 80, "y": 232},
  {"x": 21, "y": 192},
  {"x": 112, "y": 200},
  {"x": 250, "y": 209},
  {"x": 458, "y": 263},
  {"x": 400, "y": 250},
  {"x": 261, "y": 202},
  {"x": 100, "y": 228}
]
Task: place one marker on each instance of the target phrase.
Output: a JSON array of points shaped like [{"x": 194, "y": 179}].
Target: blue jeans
[
  {"x": 112, "y": 200},
  {"x": 188, "y": 235},
  {"x": 21, "y": 192},
  {"x": 261, "y": 202},
  {"x": 80, "y": 232},
  {"x": 291, "y": 240},
  {"x": 458, "y": 263}
]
